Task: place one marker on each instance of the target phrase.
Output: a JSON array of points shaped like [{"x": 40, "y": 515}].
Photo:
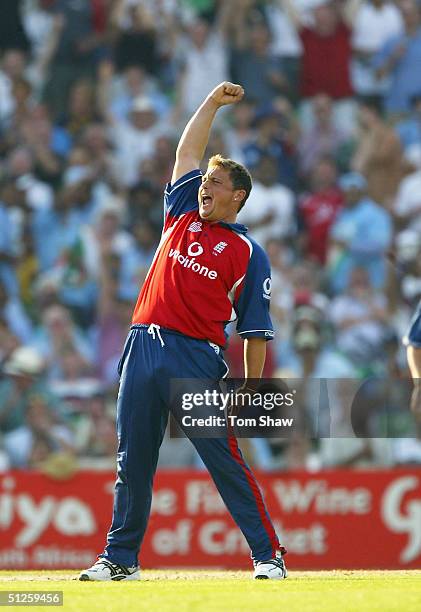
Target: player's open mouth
[{"x": 206, "y": 202}]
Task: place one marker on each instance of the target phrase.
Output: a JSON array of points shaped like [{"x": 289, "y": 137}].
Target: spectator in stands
[
  {"x": 409, "y": 129},
  {"x": 44, "y": 434},
  {"x": 136, "y": 37},
  {"x": 135, "y": 262},
  {"x": 203, "y": 45},
  {"x": 286, "y": 43},
  {"x": 407, "y": 204},
  {"x": 271, "y": 206},
  {"x": 72, "y": 208},
  {"x": 12, "y": 217},
  {"x": 252, "y": 62},
  {"x": 241, "y": 130},
  {"x": 23, "y": 383},
  {"x": 27, "y": 271},
  {"x": 318, "y": 210},
  {"x": 302, "y": 289},
  {"x": 269, "y": 140},
  {"x": 56, "y": 335},
  {"x": 113, "y": 322},
  {"x": 360, "y": 319},
  {"x": 282, "y": 295},
  {"x": 376, "y": 21},
  {"x": 77, "y": 285},
  {"x": 12, "y": 68},
  {"x": 408, "y": 256},
  {"x": 48, "y": 144},
  {"x": 76, "y": 53},
  {"x": 323, "y": 139},
  {"x": 23, "y": 101},
  {"x": 8, "y": 341},
  {"x": 378, "y": 155},
  {"x": 118, "y": 92},
  {"x": 38, "y": 194},
  {"x": 81, "y": 109},
  {"x": 98, "y": 146},
  {"x": 310, "y": 359},
  {"x": 326, "y": 59},
  {"x": 12, "y": 32},
  {"x": 144, "y": 205},
  {"x": 43, "y": 26},
  {"x": 360, "y": 236},
  {"x": 135, "y": 138},
  {"x": 105, "y": 236},
  {"x": 99, "y": 439},
  {"x": 310, "y": 354},
  {"x": 399, "y": 59},
  {"x": 13, "y": 314},
  {"x": 163, "y": 159}
]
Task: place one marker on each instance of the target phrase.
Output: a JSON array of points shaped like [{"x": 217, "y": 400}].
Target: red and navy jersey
[{"x": 204, "y": 274}]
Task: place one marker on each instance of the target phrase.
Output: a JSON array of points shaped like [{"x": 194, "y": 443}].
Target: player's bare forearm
[
  {"x": 414, "y": 362},
  {"x": 254, "y": 357},
  {"x": 194, "y": 140}
]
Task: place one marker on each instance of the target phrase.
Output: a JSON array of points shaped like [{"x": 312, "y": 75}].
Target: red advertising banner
[{"x": 337, "y": 519}]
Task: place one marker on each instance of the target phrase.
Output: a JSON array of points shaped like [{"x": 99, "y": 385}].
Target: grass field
[{"x": 177, "y": 591}]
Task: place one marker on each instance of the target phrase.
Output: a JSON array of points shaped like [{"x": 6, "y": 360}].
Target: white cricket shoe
[
  {"x": 272, "y": 569},
  {"x": 104, "y": 569}
]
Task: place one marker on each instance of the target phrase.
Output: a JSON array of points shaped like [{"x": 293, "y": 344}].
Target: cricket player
[{"x": 206, "y": 272}]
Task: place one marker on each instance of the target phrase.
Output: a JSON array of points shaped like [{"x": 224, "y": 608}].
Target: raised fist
[{"x": 227, "y": 93}]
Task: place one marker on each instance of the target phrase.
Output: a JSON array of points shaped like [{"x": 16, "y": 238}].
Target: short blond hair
[{"x": 239, "y": 175}]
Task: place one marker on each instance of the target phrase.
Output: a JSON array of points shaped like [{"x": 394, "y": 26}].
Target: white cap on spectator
[
  {"x": 24, "y": 361},
  {"x": 113, "y": 205},
  {"x": 142, "y": 104}
]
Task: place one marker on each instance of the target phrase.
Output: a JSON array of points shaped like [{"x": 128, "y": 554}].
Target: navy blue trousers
[{"x": 143, "y": 408}]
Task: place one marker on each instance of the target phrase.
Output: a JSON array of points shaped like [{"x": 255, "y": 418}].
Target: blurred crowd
[{"x": 94, "y": 95}]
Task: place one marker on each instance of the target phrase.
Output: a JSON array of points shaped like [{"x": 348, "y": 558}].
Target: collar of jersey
[{"x": 235, "y": 227}]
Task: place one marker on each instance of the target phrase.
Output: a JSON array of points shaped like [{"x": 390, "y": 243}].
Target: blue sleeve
[
  {"x": 252, "y": 305},
  {"x": 182, "y": 196}
]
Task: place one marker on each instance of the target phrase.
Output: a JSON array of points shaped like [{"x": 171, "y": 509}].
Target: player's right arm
[{"x": 194, "y": 140}]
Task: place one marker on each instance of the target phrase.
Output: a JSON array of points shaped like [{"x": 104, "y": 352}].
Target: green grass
[{"x": 178, "y": 591}]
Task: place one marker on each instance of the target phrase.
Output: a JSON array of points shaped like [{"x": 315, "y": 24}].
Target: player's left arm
[
  {"x": 414, "y": 361},
  {"x": 251, "y": 303},
  {"x": 254, "y": 358}
]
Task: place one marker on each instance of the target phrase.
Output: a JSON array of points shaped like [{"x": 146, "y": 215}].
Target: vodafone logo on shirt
[{"x": 194, "y": 250}]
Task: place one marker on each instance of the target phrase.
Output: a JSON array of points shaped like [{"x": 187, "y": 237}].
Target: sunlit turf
[{"x": 204, "y": 590}]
